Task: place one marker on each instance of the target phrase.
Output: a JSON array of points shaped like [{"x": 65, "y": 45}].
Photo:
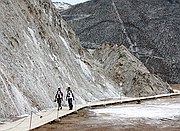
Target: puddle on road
[{"x": 156, "y": 115}]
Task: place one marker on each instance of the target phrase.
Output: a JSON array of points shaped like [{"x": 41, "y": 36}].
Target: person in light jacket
[{"x": 70, "y": 98}]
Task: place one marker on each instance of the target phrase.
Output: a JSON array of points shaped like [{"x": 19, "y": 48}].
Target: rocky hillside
[
  {"x": 39, "y": 52},
  {"x": 133, "y": 78},
  {"x": 148, "y": 28}
]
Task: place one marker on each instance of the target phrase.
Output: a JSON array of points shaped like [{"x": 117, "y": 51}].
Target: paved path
[{"x": 44, "y": 117}]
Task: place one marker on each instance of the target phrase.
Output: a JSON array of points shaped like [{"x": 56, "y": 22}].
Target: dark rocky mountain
[{"x": 150, "y": 29}]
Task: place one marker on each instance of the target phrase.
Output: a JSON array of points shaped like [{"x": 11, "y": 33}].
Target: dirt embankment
[{"x": 175, "y": 86}]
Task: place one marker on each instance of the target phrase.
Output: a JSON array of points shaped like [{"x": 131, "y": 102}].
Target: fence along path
[{"x": 38, "y": 119}]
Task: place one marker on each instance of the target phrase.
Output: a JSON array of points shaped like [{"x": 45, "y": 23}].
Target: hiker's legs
[
  {"x": 70, "y": 103},
  {"x": 59, "y": 103}
]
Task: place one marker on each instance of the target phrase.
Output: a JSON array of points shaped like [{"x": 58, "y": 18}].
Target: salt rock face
[
  {"x": 128, "y": 72},
  {"x": 148, "y": 28},
  {"x": 39, "y": 52}
]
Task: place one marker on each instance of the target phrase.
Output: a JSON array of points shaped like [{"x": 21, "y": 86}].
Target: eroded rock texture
[
  {"x": 133, "y": 78},
  {"x": 39, "y": 52},
  {"x": 148, "y": 28}
]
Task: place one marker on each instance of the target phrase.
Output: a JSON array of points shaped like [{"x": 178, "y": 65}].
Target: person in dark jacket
[
  {"x": 70, "y": 98},
  {"x": 59, "y": 98}
]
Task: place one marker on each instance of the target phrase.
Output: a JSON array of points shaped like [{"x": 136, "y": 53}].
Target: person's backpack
[
  {"x": 59, "y": 94},
  {"x": 69, "y": 94}
]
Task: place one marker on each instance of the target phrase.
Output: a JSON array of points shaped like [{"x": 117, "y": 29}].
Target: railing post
[
  {"x": 30, "y": 120},
  {"x": 75, "y": 106},
  {"x": 120, "y": 95}
]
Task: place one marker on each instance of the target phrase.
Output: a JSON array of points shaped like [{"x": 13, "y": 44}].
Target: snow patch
[{"x": 62, "y": 5}]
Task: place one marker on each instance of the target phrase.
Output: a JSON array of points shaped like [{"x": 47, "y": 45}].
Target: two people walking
[{"x": 69, "y": 98}]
